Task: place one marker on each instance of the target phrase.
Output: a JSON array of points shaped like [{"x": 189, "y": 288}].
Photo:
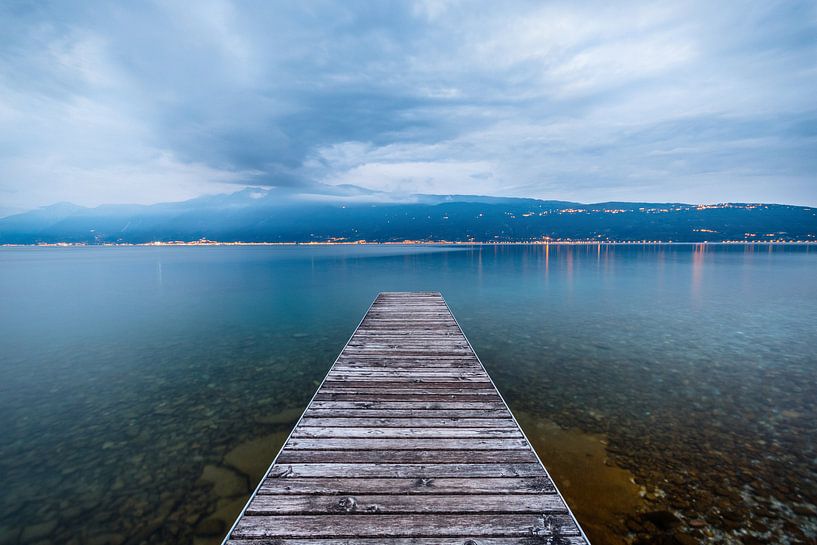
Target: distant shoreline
[{"x": 423, "y": 243}]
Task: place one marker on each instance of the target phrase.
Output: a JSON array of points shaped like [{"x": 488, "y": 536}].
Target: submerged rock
[
  {"x": 684, "y": 539},
  {"x": 106, "y": 539},
  {"x": 663, "y": 520},
  {"x": 210, "y": 527},
  {"x": 38, "y": 531}
]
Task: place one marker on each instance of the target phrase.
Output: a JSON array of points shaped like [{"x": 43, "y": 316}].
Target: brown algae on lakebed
[
  {"x": 601, "y": 494},
  {"x": 232, "y": 481}
]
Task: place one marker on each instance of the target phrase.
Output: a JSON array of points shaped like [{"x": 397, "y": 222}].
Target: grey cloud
[{"x": 127, "y": 102}]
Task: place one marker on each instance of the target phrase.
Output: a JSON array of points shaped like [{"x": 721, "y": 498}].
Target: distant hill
[{"x": 257, "y": 215}]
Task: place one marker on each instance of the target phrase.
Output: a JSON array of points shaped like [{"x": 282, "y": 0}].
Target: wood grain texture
[
  {"x": 396, "y": 504},
  {"x": 414, "y": 471},
  {"x": 419, "y": 443},
  {"x": 405, "y": 433},
  {"x": 520, "y": 456},
  {"x": 406, "y": 442},
  {"x": 387, "y": 525},
  {"x": 399, "y": 486},
  {"x": 358, "y": 412},
  {"x": 408, "y": 423},
  {"x": 436, "y": 540},
  {"x": 415, "y": 405}
]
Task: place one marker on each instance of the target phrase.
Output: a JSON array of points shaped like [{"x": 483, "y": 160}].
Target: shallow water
[{"x": 144, "y": 390}]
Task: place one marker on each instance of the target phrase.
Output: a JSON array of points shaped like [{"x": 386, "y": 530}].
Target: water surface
[{"x": 145, "y": 389}]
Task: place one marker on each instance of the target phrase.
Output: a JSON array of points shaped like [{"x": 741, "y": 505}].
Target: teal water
[{"x": 127, "y": 373}]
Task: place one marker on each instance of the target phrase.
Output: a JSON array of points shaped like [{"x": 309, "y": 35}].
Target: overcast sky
[{"x": 154, "y": 101}]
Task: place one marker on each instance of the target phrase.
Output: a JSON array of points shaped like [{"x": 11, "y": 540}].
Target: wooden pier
[{"x": 407, "y": 441}]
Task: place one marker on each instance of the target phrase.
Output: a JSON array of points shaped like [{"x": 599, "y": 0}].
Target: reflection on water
[{"x": 145, "y": 390}]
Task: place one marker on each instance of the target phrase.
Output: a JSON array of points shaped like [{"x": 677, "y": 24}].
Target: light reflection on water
[{"x": 128, "y": 372}]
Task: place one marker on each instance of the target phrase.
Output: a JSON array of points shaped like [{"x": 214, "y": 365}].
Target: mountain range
[{"x": 271, "y": 215}]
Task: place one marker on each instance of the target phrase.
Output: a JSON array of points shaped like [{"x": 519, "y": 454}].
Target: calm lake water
[{"x": 669, "y": 389}]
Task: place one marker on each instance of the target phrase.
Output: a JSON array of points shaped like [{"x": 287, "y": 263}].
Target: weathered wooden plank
[
  {"x": 402, "y": 371},
  {"x": 418, "y": 363},
  {"x": 445, "y": 386},
  {"x": 384, "y": 334},
  {"x": 403, "y": 332},
  {"x": 304, "y": 432},
  {"x": 399, "y": 377},
  {"x": 381, "y": 340},
  {"x": 376, "y": 375},
  {"x": 519, "y": 456},
  {"x": 413, "y": 365},
  {"x": 399, "y": 334},
  {"x": 426, "y": 346},
  {"x": 459, "y": 371},
  {"x": 395, "y": 356},
  {"x": 400, "y": 355},
  {"x": 376, "y": 314},
  {"x": 391, "y": 422},
  {"x": 489, "y": 525},
  {"x": 331, "y": 443},
  {"x": 409, "y": 413},
  {"x": 446, "y": 343},
  {"x": 433, "y": 540},
  {"x": 401, "y": 504},
  {"x": 424, "y": 373},
  {"x": 416, "y": 360},
  {"x": 443, "y": 347},
  {"x": 378, "y": 365},
  {"x": 390, "y": 311},
  {"x": 446, "y": 346},
  {"x": 414, "y": 328},
  {"x": 417, "y": 325},
  {"x": 414, "y": 405},
  {"x": 416, "y": 471},
  {"x": 417, "y": 312},
  {"x": 390, "y": 308},
  {"x": 386, "y": 396},
  {"x": 398, "y": 345},
  {"x": 395, "y": 485},
  {"x": 408, "y": 322},
  {"x": 404, "y": 308},
  {"x": 333, "y": 381},
  {"x": 406, "y": 389},
  {"x": 339, "y": 380},
  {"x": 407, "y": 340},
  {"x": 411, "y": 298},
  {"x": 431, "y": 300},
  {"x": 400, "y": 318}
]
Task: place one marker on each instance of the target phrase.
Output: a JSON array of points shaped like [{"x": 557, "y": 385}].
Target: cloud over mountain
[{"x": 699, "y": 101}]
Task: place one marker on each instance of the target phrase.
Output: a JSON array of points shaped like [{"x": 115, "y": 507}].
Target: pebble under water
[{"x": 669, "y": 389}]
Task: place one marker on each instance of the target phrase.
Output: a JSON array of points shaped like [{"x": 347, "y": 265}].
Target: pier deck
[{"x": 407, "y": 441}]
